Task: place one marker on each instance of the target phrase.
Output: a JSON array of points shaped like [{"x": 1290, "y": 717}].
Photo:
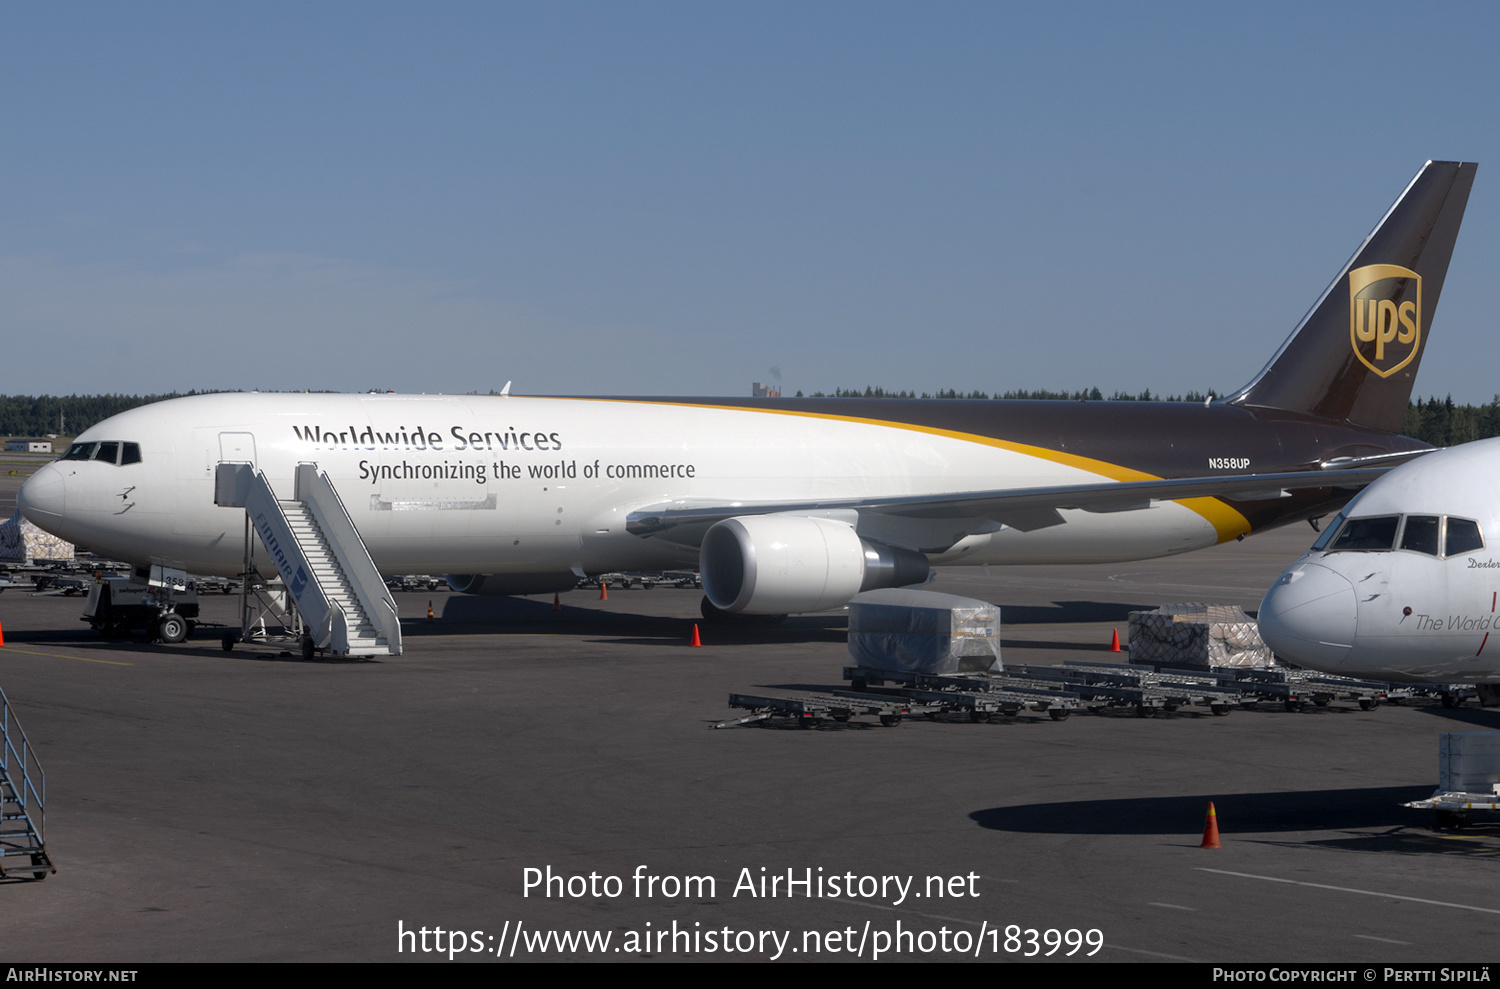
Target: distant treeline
[
  {"x": 1040, "y": 395},
  {"x": 1441, "y": 423},
  {"x": 66, "y": 415},
  {"x": 1436, "y": 421},
  {"x": 34, "y": 416}
]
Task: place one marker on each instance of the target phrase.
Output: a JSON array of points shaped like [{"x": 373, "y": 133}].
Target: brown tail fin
[{"x": 1354, "y": 356}]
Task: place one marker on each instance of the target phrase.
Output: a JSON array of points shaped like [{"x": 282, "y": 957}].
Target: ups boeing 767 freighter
[{"x": 792, "y": 505}]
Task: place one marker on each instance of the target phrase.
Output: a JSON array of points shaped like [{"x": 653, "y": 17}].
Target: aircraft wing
[{"x": 933, "y": 523}]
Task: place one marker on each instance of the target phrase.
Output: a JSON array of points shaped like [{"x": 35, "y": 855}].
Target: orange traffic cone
[
  {"x": 1114, "y": 640},
  {"x": 429, "y": 613},
  {"x": 2, "y": 636},
  {"x": 556, "y": 602},
  {"x": 1211, "y": 829},
  {"x": 603, "y": 591},
  {"x": 696, "y": 641}
]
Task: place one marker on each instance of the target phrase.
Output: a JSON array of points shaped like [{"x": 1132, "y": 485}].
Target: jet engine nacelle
[
  {"x": 500, "y": 584},
  {"x": 786, "y": 564}
]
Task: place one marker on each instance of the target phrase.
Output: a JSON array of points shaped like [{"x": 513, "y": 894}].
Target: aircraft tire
[
  {"x": 172, "y": 628},
  {"x": 1451, "y": 820}
]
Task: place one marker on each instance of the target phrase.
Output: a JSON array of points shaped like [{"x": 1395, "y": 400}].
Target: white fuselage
[
  {"x": 511, "y": 485},
  {"x": 1411, "y": 593}
]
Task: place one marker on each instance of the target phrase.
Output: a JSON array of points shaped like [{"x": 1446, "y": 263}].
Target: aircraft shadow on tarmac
[
  {"x": 464, "y": 615},
  {"x": 66, "y": 636},
  {"x": 205, "y": 642},
  {"x": 280, "y": 654},
  {"x": 1468, "y": 717},
  {"x": 1242, "y": 813}
]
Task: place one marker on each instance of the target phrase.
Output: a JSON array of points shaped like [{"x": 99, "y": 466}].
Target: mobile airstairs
[
  {"x": 330, "y": 596},
  {"x": 23, "y": 790}
]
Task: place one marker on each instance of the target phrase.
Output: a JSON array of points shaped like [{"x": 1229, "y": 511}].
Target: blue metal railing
[{"x": 28, "y": 784}]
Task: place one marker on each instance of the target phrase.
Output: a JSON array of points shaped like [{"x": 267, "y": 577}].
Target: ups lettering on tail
[{"x": 1385, "y": 316}]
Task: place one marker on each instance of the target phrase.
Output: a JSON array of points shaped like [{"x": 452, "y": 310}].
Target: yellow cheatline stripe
[
  {"x": 58, "y": 655},
  {"x": 1227, "y": 522}
]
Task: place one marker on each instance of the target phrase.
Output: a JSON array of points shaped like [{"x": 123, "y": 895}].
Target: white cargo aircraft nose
[
  {"x": 1404, "y": 584},
  {"x": 1309, "y": 616},
  {"x": 41, "y": 498}
]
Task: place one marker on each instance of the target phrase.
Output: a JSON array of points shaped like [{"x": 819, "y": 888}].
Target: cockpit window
[
  {"x": 1463, "y": 536},
  {"x": 1376, "y": 534},
  {"x": 1421, "y": 534},
  {"x": 1329, "y": 531},
  {"x": 109, "y": 451}
]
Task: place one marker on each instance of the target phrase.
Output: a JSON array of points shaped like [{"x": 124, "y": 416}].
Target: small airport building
[{"x": 28, "y": 446}]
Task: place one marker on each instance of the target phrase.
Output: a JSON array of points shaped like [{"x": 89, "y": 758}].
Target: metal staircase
[
  {"x": 23, "y": 790},
  {"x": 344, "y": 604},
  {"x": 363, "y": 637}
]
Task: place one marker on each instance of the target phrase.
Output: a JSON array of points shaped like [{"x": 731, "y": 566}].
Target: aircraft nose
[
  {"x": 41, "y": 497},
  {"x": 1308, "y": 616}
]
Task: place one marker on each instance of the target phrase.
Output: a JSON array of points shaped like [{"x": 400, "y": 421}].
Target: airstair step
[{"x": 338, "y": 572}]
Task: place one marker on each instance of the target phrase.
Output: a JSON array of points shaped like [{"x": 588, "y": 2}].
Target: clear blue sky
[{"x": 673, "y": 198}]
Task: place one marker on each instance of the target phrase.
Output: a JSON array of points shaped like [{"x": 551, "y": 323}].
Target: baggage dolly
[
  {"x": 811, "y": 710},
  {"x": 1295, "y": 689},
  {"x": 1106, "y": 685},
  {"x": 981, "y": 695}
]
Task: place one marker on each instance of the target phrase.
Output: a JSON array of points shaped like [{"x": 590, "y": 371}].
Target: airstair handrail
[
  {"x": 316, "y": 491},
  {"x": 270, "y": 523},
  {"x": 28, "y": 766}
]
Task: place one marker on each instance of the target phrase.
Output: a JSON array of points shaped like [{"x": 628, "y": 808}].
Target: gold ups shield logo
[{"x": 1385, "y": 316}]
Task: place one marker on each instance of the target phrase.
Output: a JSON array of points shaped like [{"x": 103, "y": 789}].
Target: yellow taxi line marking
[{"x": 58, "y": 655}]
